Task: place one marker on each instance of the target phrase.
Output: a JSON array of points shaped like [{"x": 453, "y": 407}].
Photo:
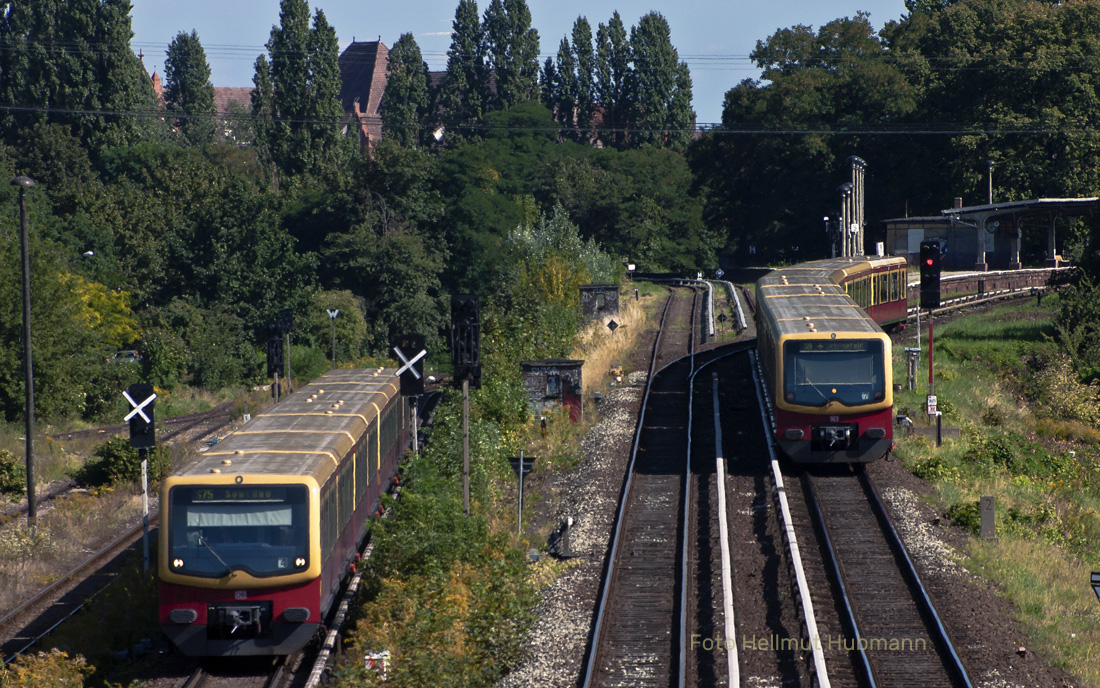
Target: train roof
[
  {"x": 807, "y": 298},
  {"x": 306, "y": 434}
]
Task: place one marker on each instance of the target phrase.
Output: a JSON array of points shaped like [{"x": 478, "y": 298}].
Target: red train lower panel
[
  {"x": 204, "y": 622},
  {"x": 849, "y": 438}
]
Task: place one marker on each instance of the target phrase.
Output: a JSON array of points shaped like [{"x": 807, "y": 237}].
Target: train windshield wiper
[
  {"x": 206, "y": 543},
  {"x": 814, "y": 387}
]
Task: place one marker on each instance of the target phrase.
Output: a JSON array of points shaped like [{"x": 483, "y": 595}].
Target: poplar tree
[
  {"x": 70, "y": 63},
  {"x": 464, "y": 90},
  {"x": 564, "y": 106},
  {"x": 661, "y": 84},
  {"x": 188, "y": 93},
  {"x": 584, "y": 58},
  {"x": 513, "y": 50},
  {"x": 613, "y": 80},
  {"x": 406, "y": 104},
  {"x": 548, "y": 85},
  {"x": 297, "y": 92}
]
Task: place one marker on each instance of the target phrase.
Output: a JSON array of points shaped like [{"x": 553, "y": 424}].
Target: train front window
[
  {"x": 262, "y": 530},
  {"x": 816, "y": 372}
]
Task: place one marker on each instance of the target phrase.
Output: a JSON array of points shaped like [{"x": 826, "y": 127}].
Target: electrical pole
[{"x": 25, "y": 183}]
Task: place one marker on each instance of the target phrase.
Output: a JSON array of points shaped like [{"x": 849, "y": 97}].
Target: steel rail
[
  {"x": 727, "y": 583},
  {"x": 685, "y": 514}
]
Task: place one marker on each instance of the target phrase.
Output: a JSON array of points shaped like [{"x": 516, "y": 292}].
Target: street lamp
[
  {"x": 25, "y": 183},
  {"x": 332, "y": 313}
]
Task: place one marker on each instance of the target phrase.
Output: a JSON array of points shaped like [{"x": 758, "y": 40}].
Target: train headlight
[
  {"x": 793, "y": 434},
  {"x": 177, "y": 563},
  {"x": 876, "y": 433},
  {"x": 300, "y": 562}
]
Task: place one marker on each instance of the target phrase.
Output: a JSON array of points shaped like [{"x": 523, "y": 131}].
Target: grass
[
  {"x": 991, "y": 380},
  {"x": 32, "y": 557}
]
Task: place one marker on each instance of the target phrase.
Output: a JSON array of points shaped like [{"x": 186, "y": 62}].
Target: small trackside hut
[
  {"x": 554, "y": 383},
  {"x": 258, "y": 533}
]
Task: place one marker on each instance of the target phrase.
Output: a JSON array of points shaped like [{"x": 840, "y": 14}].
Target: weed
[
  {"x": 13, "y": 475},
  {"x": 966, "y": 515}
]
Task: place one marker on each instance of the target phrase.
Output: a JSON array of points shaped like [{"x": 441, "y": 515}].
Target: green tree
[
  {"x": 763, "y": 189},
  {"x": 585, "y": 60},
  {"x": 662, "y": 85},
  {"x": 350, "y": 325},
  {"x": 71, "y": 63},
  {"x": 612, "y": 88},
  {"x": 563, "y": 102},
  {"x": 464, "y": 92},
  {"x": 405, "y": 106},
  {"x": 296, "y": 96},
  {"x": 513, "y": 51},
  {"x": 188, "y": 93}
]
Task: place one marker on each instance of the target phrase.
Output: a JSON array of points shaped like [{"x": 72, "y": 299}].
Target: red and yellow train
[
  {"x": 825, "y": 358},
  {"x": 257, "y": 534}
]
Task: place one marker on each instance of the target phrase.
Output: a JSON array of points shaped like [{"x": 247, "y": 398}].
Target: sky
[{"x": 714, "y": 37}]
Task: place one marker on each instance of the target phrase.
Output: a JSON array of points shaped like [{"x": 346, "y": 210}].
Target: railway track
[
  {"x": 867, "y": 620},
  {"x": 721, "y": 387},
  {"x": 892, "y": 631},
  {"x": 243, "y": 673},
  {"x": 638, "y": 624}
]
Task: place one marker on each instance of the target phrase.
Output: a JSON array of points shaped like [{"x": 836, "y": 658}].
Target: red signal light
[{"x": 928, "y": 262}]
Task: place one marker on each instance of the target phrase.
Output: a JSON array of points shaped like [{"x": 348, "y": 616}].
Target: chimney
[{"x": 958, "y": 202}]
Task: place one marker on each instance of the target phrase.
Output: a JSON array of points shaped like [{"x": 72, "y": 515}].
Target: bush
[
  {"x": 990, "y": 450},
  {"x": 1063, "y": 396},
  {"x": 936, "y": 469},
  {"x": 54, "y": 668},
  {"x": 115, "y": 461},
  {"x": 13, "y": 475},
  {"x": 967, "y": 515}
]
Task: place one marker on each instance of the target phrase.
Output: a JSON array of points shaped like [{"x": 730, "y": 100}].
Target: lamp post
[
  {"x": 332, "y": 313},
  {"x": 25, "y": 183}
]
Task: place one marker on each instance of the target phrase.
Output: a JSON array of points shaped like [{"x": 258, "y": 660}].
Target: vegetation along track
[
  {"x": 636, "y": 628},
  {"x": 24, "y": 626}
]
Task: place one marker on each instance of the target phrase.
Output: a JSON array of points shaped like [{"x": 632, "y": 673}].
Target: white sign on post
[{"x": 931, "y": 404}]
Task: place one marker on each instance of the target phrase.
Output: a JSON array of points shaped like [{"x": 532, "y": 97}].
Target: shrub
[
  {"x": 54, "y": 668},
  {"x": 936, "y": 469},
  {"x": 13, "y": 475},
  {"x": 115, "y": 461},
  {"x": 966, "y": 515},
  {"x": 1062, "y": 395},
  {"x": 993, "y": 450},
  {"x": 993, "y": 417}
]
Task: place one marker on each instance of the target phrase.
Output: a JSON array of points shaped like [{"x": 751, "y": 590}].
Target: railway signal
[
  {"x": 411, "y": 352},
  {"x": 274, "y": 355},
  {"x": 930, "y": 274},
  {"x": 466, "y": 339},
  {"x": 141, "y": 418}
]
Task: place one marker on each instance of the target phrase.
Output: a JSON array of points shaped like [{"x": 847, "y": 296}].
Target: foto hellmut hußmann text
[{"x": 776, "y": 643}]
